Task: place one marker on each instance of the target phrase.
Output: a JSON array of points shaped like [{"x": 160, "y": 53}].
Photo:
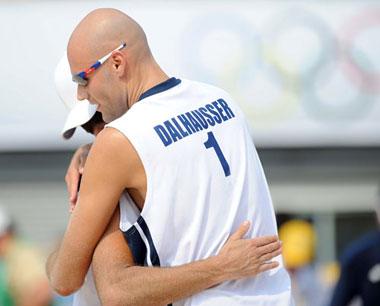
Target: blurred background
[{"x": 306, "y": 73}]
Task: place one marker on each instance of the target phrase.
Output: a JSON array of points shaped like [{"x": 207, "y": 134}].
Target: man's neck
[{"x": 148, "y": 79}]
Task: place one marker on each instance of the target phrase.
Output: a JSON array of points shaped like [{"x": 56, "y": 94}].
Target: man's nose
[{"x": 81, "y": 93}]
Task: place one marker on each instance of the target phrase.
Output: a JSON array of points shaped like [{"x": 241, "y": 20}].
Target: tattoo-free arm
[
  {"x": 118, "y": 282},
  {"x": 107, "y": 173},
  {"x": 101, "y": 187}
]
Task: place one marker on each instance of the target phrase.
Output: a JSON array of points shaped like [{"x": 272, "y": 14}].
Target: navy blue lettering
[
  {"x": 220, "y": 110},
  {"x": 195, "y": 123},
  {"x": 165, "y": 138},
  {"x": 216, "y": 115},
  {"x": 207, "y": 115},
  {"x": 172, "y": 131},
  {"x": 226, "y": 108},
  {"x": 179, "y": 128},
  {"x": 200, "y": 118},
  {"x": 186, "y": 123}
]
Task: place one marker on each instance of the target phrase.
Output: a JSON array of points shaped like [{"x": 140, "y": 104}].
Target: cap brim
[{"x": 81, "y": 113}]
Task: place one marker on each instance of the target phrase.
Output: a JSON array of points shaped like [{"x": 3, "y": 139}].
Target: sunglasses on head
[{"x": 81, "y": 78}]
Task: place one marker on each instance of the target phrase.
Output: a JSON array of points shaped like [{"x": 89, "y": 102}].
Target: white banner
[{"x": 305, "y": 73}]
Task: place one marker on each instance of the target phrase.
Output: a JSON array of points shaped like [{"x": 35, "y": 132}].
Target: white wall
[{"x": 307, "y": 73}]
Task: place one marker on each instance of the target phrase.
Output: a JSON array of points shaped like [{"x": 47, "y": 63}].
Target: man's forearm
[
  {"x": 175, "y": 283},
  {"x": 161, "y": 286},
  {"x": 65, "y": 269},
  {"x": 119, "y": 282},
  {"x": 55, "y": 275}
]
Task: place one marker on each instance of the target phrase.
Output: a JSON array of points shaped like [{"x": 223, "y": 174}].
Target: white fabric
[
  {"x": 191, "y": 206},
  {"x": 87, "y": 294}
]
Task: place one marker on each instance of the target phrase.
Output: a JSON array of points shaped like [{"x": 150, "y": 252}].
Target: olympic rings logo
[{"x": 320, "y": 73}]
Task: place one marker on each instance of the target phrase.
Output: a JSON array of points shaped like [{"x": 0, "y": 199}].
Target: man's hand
[
  {"x": 74, "y": 173},
  {"x": 242, "y": 258},
  {"x": 239, "y": 258}
]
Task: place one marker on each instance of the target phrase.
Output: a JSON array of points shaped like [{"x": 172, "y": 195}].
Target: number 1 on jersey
[{"x": 212, "y": 143}]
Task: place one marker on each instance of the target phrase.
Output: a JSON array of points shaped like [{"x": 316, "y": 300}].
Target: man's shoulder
[
  {"x": 113, "y": 155},
  {"x": 109, "y": 142}
]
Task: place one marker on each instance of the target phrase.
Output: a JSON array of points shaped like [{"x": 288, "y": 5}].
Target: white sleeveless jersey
[
  {"x": 204, "y": 179},
  {"x": 87, "y": 294}
]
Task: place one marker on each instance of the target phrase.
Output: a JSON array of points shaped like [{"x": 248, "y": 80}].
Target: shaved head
[
  {"x": 103, "y": 30},
  {"x": 118, "y": 82}
]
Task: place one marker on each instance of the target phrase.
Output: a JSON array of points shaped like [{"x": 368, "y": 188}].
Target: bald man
[
  {"x": 113, "y": 238},
  {"x": 183, "y": 152}
]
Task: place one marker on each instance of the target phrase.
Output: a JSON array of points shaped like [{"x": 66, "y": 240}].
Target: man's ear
[{"x": 119, "y": 63}]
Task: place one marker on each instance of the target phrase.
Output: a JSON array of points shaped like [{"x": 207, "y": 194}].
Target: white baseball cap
[{"x": 80, "y": 111}]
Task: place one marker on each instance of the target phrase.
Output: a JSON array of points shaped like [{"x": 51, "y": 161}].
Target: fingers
[
  {"x": 268, "y": 248},
  {"x": 73, "y": 187},
  {"x": 268, "y": 266},
  {"x": 265, "y": 240},
  {"x": 241, "y": 231},
  {"x": 72, "y": 180},
  {"x": 270, "y": 256},
  {"x": 72, "y": 206},
  {"x": 82, "y": 161},
  {"x": 74, "y": 174},
  {"x": 74, "y": 191}
]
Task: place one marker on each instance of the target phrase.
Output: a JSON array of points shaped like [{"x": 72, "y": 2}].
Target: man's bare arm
[
  {"x": 74, "y": 172},
  {"x": 118, "y": 282},
  {"x": 107, "y": 173},
  {"x": 101, "y": 188}
]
